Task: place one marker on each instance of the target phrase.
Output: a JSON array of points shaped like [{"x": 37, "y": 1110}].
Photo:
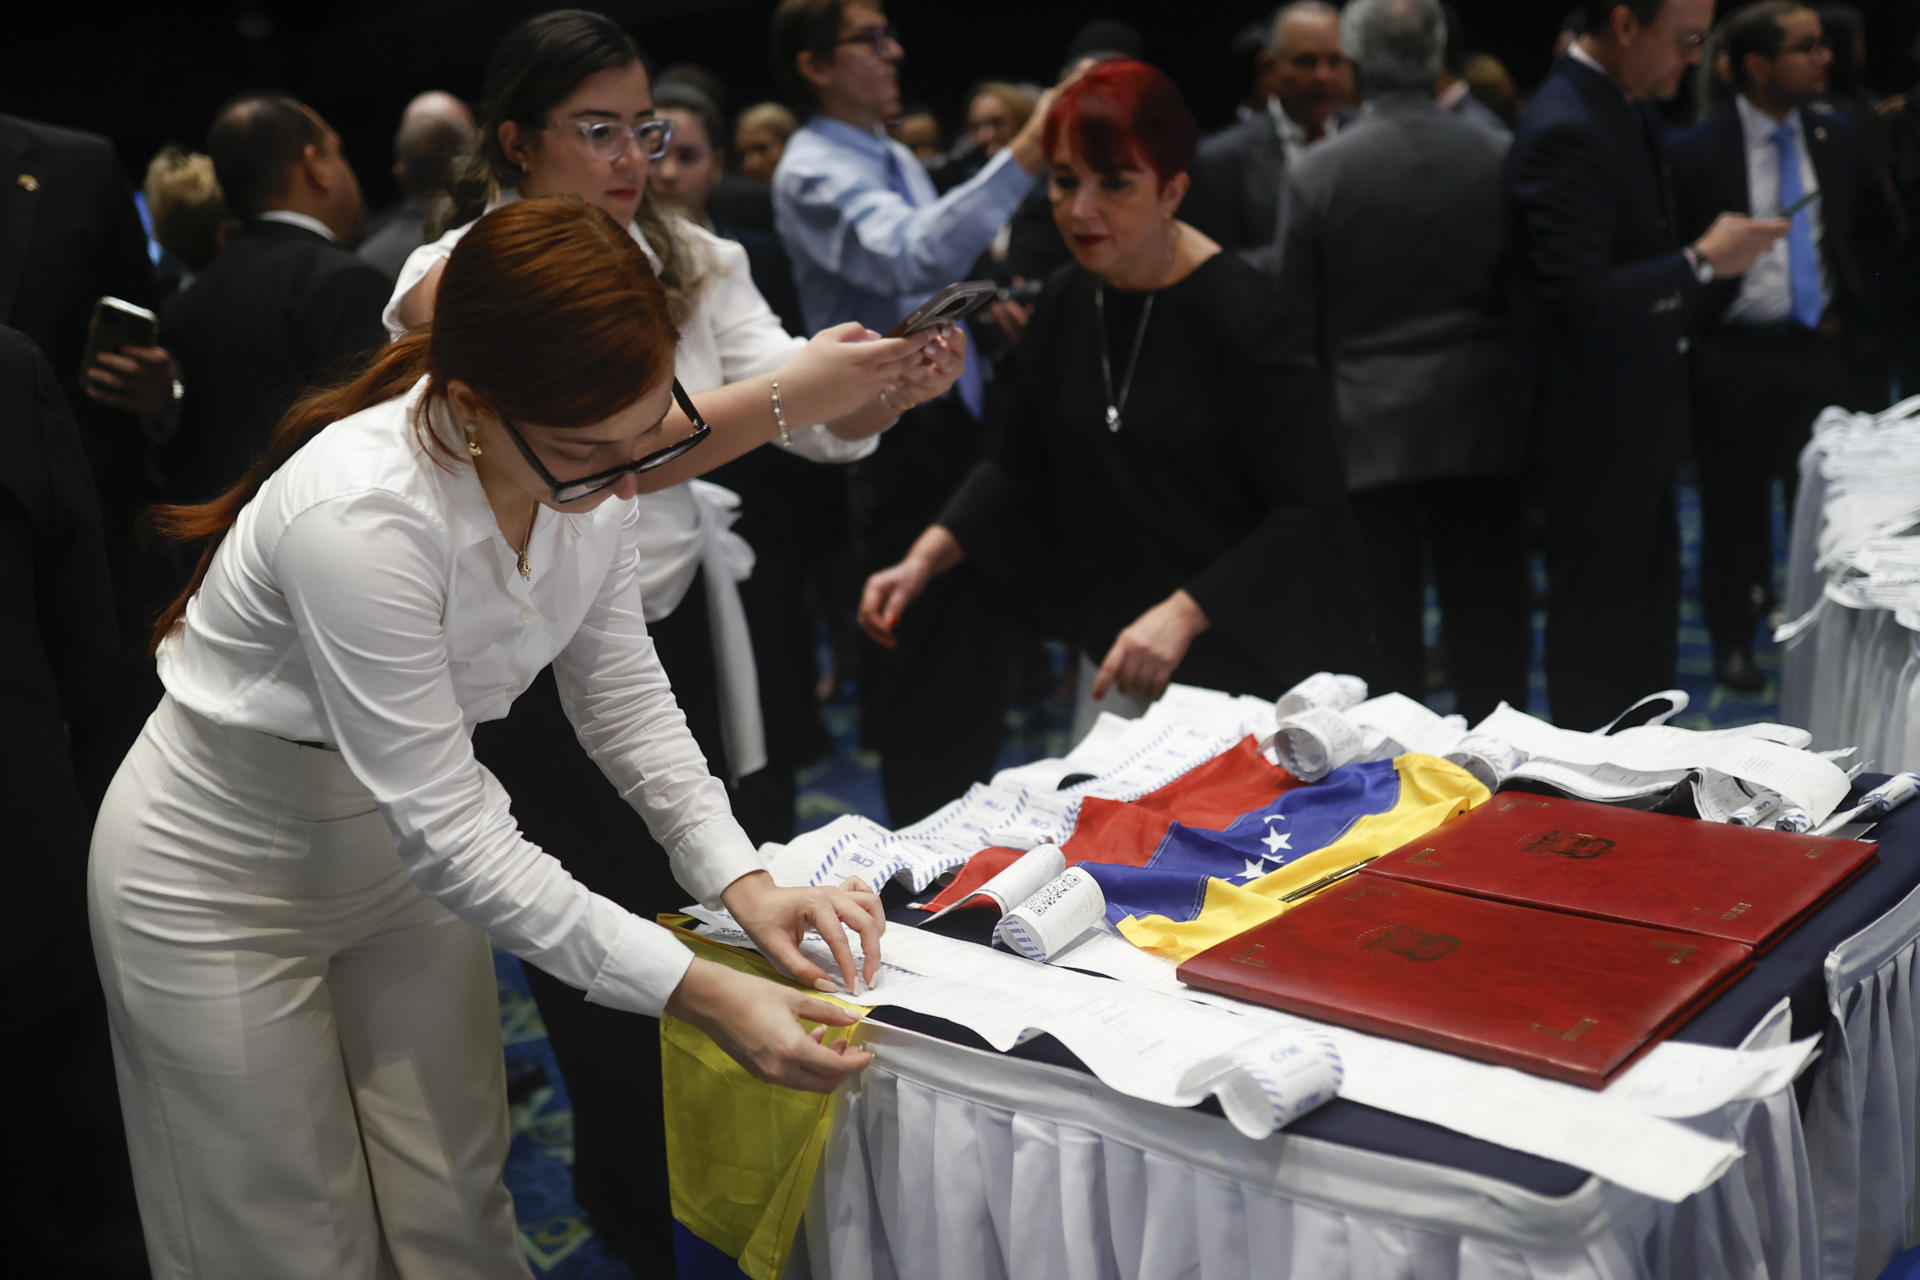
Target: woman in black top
[{"x": 1165, "y": 486}]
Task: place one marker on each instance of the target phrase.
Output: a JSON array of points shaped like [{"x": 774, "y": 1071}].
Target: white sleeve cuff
[
  {"x": 712, "y": 856},
  {"x": 818, "y": 444},
  {"x": 642, "y": 968}
]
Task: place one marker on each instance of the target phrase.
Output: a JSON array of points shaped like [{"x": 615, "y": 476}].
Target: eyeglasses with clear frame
[
  {"x": 565, "y": 491},
  {"x": 607, "y": 139},
  {"x": 878, "y": 37}
]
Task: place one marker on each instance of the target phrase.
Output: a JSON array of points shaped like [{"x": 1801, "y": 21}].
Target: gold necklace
[{"x": 526, "y": 565}]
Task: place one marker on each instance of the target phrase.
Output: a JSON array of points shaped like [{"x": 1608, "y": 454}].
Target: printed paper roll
[{"x": 1063, "y": 909}]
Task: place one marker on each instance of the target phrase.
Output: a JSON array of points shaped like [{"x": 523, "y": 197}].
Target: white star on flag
[
  {"x": 1275, "y": 842},
  {"x": 1253, "y": 872}
]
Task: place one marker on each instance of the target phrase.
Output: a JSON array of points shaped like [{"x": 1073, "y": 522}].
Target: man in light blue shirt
[
  {"x": 869, "y": 237},
  {"x": 870, "y": 240}
]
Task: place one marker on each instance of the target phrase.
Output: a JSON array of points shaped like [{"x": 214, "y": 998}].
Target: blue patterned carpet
[{"x": 560, "y": 1245}]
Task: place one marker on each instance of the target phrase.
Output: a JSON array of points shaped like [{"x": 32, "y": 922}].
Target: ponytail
[{"x": 395, "y": 369}]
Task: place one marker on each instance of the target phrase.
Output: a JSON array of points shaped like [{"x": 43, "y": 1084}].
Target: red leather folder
[
  {"x": 1737, "y": 883},
  {"x": 1568, "y": 997}
]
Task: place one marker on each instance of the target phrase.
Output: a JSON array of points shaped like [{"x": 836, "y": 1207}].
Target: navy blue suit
[
  {"x": 1758, "y": 388},
  {"x": 1605, "y": 298}
]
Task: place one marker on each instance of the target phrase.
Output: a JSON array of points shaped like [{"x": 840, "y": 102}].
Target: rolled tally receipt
[
  {"x": 1311, "y": 744},
  {"x": 1025, "y": 876},
  {"x": 1268, "y": 1083},
  {"x": 1322, "y": 689},
  {"x": 1487, "y": 758},
  {"x": 1059, "y": 912}
]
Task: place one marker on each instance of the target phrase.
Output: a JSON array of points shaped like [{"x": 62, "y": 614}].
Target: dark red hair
[
  {"x": 1124, "y": 115},
  {"x": 547, "y": 309}
]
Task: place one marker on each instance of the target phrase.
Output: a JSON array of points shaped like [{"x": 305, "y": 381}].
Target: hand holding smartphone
[
  {"x": 949, "y": 306},
  {"x": 116, "y": 325}
]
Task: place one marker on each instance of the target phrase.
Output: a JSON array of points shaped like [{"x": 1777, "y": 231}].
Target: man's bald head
[
  {"x": 1305, "y": 68},
  {"x": 435, "y": 129}
]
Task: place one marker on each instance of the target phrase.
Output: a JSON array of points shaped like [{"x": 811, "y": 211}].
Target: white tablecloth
[{"x": 952, "y": 1164}]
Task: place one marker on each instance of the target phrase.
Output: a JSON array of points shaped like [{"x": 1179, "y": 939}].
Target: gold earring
[{"x": 473, "y": 446}]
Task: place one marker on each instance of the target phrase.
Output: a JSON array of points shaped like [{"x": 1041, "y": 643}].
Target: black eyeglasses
[
  {"x": 875, "y": 36},
  {"x": 565, "y": 491}
]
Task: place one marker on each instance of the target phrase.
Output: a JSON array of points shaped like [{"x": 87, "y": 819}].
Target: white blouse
[
  {"x": 366, "y": 599},
  {"x": 731, "y": 335}
]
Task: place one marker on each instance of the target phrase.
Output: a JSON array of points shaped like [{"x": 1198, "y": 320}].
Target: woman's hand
[
  {"x": 842, "y": 369},
  {"x": 758, "y": 1024},
  {"x": 1144, "y": 656},
  {"x": 887, "y": 595},
  {"x": 778, "y": 918},
  {"x": 936, "y": 371}
]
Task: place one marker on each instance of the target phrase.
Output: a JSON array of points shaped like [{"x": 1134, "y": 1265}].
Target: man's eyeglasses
[
  {"x": 607, "y": 139},
  {"x": 878, "y": 37},
  {"x": 565, "y": 491}
]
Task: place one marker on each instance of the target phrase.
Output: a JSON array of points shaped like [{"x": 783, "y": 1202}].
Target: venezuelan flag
[{"x": 1211, "y": 854}]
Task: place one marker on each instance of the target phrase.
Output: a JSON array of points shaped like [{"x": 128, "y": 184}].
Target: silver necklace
[{"x": 1116, "y": 403}]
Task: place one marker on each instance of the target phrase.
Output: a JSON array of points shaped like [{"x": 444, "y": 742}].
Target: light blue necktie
[
  {"x": 1803, "y": 267},
  {"x": 972, "y": 387}
]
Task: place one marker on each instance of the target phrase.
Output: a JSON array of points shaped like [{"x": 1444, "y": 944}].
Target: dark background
[{"x": 147, "y": 72}]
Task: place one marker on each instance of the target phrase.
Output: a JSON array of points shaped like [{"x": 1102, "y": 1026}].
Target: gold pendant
[{"x": 526, "y": 567}]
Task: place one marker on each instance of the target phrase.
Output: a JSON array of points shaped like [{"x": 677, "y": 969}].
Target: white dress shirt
[
  {"x": 1293, "y": 134},
  {"x": 302, "y": 220},
  {"x": 731, "y": 335},
  {"x": 365, "y": 598},
  {"x": 1766, "y": 291}
]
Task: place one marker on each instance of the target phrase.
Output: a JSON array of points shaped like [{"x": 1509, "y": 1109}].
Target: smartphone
[
  {"x": 1801, "y": 203},
  {"x": 952, "y": 304},
  {"x": 116, "y": 324}
]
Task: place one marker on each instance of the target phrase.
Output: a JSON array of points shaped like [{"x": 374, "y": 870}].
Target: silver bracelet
[{"x": 780, "y": 417}]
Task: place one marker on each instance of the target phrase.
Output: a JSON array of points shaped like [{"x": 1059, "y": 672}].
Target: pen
[{"x": 1314, "y": 885}]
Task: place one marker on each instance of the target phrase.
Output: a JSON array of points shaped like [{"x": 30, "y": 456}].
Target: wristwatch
[{"x": 1702, "y": 265}]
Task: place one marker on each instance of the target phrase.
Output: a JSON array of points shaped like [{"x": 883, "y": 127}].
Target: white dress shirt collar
[
  {"x": 1758, "y": 127},
  {"x": 1587, "y": 60},
  {"x": 293, "y": 219},
  {"x": 509, "y": 195},
  {"x": 1293, "y": 134},
  {"x": 469, "y": 514}
]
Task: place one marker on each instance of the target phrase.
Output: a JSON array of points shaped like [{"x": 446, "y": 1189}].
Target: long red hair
[{"x": 547, "y": 309}]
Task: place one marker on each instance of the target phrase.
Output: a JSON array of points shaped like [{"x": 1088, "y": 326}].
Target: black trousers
[
  {"x": 610, "y": 1059},
  {"x": 1756, "y": 394},
  {"x": 1473, "y": 532},
  {"x": 934, "y": 706},
  {"x": 1611, "y": 535}
]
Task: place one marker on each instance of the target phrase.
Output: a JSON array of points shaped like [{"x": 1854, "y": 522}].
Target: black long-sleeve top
[
  {"x": 1225, "y": 478},
  {"x": 57, "y": 643}
]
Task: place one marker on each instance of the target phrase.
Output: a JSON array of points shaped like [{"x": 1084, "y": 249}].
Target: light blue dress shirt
[{"x": 870, "y": 238}]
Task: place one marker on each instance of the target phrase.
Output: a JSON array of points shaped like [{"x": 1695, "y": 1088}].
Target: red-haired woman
[
  {"x": 1163, "y": 483},
  {"x": 297, "y": 869}
]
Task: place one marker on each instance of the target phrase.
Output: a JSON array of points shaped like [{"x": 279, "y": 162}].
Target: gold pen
[{"x": 1313, "y": 886}]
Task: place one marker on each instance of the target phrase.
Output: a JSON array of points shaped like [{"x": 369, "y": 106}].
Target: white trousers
[{"x": 308, "y": 1048}]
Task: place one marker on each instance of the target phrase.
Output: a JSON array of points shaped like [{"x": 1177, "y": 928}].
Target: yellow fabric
[
  {"x": 741, "y": 1154},
  {"x": 1431, "y": 791}
]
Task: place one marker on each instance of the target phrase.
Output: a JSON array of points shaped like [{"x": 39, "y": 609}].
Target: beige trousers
[{"x": 308, "y": 1048}]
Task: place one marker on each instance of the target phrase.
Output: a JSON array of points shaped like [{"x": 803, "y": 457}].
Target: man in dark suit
[
  {"x": 436, "y": 129},
  {"x": 66, "y": 1196},
  {"x": 70, "y": 234},
  {"x": 284, "y": 308},
  {"x": 1774, "y": 345},
  {"x": 1606, "y": 291},
  {"x": 1240, "y": 172},
  {"x": 1404, "y": 305}
]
